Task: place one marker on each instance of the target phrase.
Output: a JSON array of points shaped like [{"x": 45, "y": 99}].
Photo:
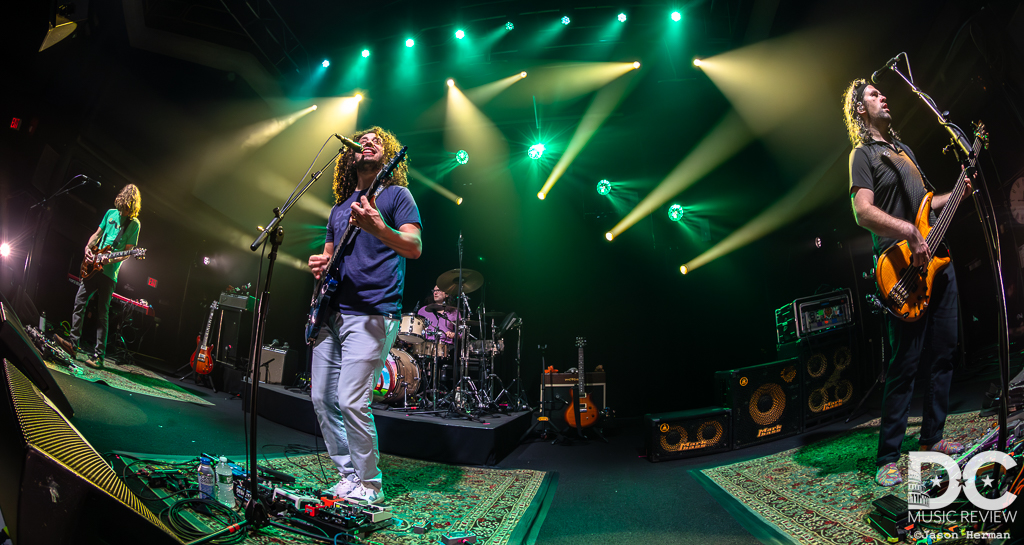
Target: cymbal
[
  {"x": 434, "y": 307},
  {"x": 448, "y": 282}
]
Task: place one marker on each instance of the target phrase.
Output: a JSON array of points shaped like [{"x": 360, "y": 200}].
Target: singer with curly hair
[{"x": 363, "y": 321}]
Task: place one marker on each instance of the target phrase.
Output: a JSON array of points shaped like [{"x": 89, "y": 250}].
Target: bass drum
[{"x": 399, "y": 378}]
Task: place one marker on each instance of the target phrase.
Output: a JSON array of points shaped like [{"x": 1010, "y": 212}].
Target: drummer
[{"x": 440, "y": 318}]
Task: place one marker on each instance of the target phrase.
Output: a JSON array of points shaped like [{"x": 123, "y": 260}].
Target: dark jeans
[
  {"x": 102, "y": 287},
  {"x": 929, "y": 344}
]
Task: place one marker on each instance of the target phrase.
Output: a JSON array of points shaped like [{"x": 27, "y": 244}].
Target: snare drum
[
  {"x": 399, "y": 378},
  {"x": 411, "y": 328},
  {"x": 431, "y": 349},
  {"x": 486, "y": 347}
]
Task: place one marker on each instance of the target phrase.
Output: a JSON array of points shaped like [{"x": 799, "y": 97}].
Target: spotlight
[
  {"x": 462, "y": 157},
  {"x": 565, "y": 19},
  {"x": 509, "y": 26},
  {"x": 683, "y": 269},
  {"x": 622, "y": 17},
  {"x": 314, "y": 107},
  {"x": 450, "y": 82},
  {"x": 458, "y": 201},
  {"x": 609, "y": 236},
  {"x": 366, "y": 53},
  {"x": 410, "y": 42},
  {"x": 326, "y": 63},
  {"x": 604, "y": 187},
  {"x": 817, "y": 242},
  {"x": 697, "y": 62},
  {"x": 675, "y": 212},
  {"x": 206, "y": 260},
  {"x": 636, "y": 64},
  {"x": 5, "y": 250},
  {"x": 676, "y": 16},
  {"x": 536, "y": 151},
  {"x": 358, "y": 97},
  {"x": 522, "y": 74},
  {"x": 460, "y": 34},
  {"x": 541, "y": 195}
]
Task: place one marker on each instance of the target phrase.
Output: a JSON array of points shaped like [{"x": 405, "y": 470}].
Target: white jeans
[{"x": 347, "y": 359}]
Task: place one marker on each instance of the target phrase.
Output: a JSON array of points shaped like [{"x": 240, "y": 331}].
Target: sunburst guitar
[
  {"x": 583, "y": 412},
  {"x": 906, "y": 289}
]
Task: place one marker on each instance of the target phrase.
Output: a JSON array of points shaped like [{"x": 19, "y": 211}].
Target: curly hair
[
  {"x": 856, "y": 130},
  {"x": 129, "y": 201},
  {"x": 345, "y": 176}
]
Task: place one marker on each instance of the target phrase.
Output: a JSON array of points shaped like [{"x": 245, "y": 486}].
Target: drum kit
[{"x": 446, "y": 363}]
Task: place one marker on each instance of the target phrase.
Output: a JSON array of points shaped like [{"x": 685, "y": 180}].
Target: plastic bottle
[
  {"x": 225, "y": 483},
  {"x": 207, "y": 481}
]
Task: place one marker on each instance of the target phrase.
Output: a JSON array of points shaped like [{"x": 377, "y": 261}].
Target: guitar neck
[
  {"x": 209, "y": 323},
  {"x": 583, "y": 375},
  {"x": 935, "y": 236}
]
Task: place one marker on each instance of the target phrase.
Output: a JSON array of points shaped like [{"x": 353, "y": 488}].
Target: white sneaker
[
  {"x": 365, "y": 495},
  {"x": 345, "y": 486}
]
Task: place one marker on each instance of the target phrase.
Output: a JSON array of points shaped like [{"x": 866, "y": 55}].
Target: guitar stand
[{"x": 202, "y": 380}]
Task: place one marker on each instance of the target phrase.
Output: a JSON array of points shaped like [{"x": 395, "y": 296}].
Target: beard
[{"x": 365, "y": 164}]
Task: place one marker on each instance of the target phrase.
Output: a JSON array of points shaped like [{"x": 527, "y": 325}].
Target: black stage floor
[{"x": 608, "y": 493}]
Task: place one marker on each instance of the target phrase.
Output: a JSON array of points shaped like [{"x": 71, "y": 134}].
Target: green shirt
[{"x": 111, "y": 235}]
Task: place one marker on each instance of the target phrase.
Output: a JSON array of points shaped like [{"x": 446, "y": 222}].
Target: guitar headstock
[
  {"x": 140, "y": 253},
  {"x": 581, "y": 342},
  {"x": 213, "y": 306},
  {"x": 981, "y": 133}
]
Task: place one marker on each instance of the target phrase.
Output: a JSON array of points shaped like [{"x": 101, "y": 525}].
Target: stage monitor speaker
[
  {"x": 765, "y": 401},
  {"x": 54, "y": 487},
  {"x": 685, "y": 434},
  {"x": 279, "y": 366},
  {"x": 831, "y": 371},
  {"x": 16, "y": 347}
]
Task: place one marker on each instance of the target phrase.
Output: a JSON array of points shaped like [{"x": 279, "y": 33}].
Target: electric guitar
[
  {"x": 327, "y": 285},
  {"x": 583, "y": 412},
  {"x": 93, "y": 265},
  {"x": 202, "y": 361},
  {"x": 906, "y": 289}
]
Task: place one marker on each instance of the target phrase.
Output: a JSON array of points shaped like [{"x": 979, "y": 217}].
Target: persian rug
[
  {"x": 500, "y": 506},
  {"x": 822, "y": 493},
  {"x": 130, "y": 378}
]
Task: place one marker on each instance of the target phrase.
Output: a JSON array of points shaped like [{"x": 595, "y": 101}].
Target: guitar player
[
  {"x": 363, "y": 320},
  {"x": 886, "y": 189},
  {"x": 119, "y": 230}
]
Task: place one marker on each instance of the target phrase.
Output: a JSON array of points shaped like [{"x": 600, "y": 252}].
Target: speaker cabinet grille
[
  {"x": 765, "y": 401},
  {"x": 685, "y": 434},
  {"x": 831, "y": 370}
]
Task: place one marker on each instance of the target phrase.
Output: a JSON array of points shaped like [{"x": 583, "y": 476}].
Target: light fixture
[
  {"x": 697, "y": 62},
  {"x": 450, "y": 82},
  {"x": 676, "y": 16},
  {"x": 683, "y": 269},
  {"x": 5, "y": 250},
  {"x": 326, "y": 63},
  {"x": 604, "y": 187},
  {"x": 522, "y": 74},
  {"x": 622, "y": 17},
  {"x": 366, "y": 53},
  {"x": 636, "y": 64},
  {"x": 565, "y": 19},
  {"x": 541, "y": 195},
  {"x": 458, "y": 201},
  {"x": 460, "y": 34},
  {"x": 314, "y": 107},
  {"x": 609, "y": 236},
  {"x": 410, "y": 42},
  {"x": 358, "y": 97},
  {"x": 509, "y": 26},
  {"x": 462, "y": 157},
  {"x": 536, "y": 151},
  {"x": 675, "y": 212},
  {"x": 206, "y": 260}
]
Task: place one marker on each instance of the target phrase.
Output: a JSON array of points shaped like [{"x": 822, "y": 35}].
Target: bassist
[
  {"x": 887, "y": 188},
  {"x": 363, "y": 318},
  {"x": 119, "y": 230}
]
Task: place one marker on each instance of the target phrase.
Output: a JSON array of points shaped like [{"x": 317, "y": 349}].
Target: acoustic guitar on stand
[
  {"x": 583, "y": 412},
  {"x": 906, "y": 289},
  {"x": 93, "y": 265},
  {"x": 202, "y": 361}
]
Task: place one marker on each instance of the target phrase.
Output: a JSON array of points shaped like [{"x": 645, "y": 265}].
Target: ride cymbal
[{"x": 448, "y": 282}]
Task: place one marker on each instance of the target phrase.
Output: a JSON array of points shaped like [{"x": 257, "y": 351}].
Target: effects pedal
[{"x": 458, "y": 538}]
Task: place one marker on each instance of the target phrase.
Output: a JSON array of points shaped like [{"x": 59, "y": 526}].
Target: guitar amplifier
[
  {"x": 831, "y": 373},
  {"x": 765, "y": 401},
  {"x": 685, "y": 434},
  {"x": 234, "y": 300},
  {"x": 278, "y": 366}
]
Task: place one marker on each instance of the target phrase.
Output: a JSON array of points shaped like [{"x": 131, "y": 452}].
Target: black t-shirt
[{"x": 893, "y": 176}]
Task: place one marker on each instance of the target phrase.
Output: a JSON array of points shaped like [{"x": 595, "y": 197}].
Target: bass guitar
[
  {"x": 202, "y": 361},
  {"x": 906, "y": 289},
  {"x": 327, "y": 284},
  {"x": 583, "y": 412},
  {"x": 93, "y": 265}
]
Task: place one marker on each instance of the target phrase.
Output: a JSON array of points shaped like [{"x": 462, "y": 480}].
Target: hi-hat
[{"x": 448, "y": 282}]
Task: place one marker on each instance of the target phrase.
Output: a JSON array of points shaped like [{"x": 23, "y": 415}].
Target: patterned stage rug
[
  {"x": 130, "y": 378},
  {"x": 499, "y": 506},
  {"x": 821, "y": 493}
]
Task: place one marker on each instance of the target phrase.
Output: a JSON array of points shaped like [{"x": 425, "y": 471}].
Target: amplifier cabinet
[
  {"x": 278, "y": 366},
  {"x": 831, "y": 372},
  {"x": 685, "y": 434},
  {"x": 765, "y": 401}
]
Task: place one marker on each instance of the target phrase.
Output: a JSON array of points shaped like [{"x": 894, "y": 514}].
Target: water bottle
[
  {"x": 42, "y": 323},
  {"x": 207, "y": 482},
  {"x": 225, "y": 483}
]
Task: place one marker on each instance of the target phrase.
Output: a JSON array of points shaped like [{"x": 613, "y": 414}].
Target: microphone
[
  {"x": 888, "y": 64},
  {"x": 349, "y": 142},
  {"x": 88, "y": 179}
]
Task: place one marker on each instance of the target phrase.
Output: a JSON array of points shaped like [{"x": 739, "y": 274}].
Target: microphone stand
[
  {"x": 985, "y": 213},
  {"x": 255, "y": 512}
]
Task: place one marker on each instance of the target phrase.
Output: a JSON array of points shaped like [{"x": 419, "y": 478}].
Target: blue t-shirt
[
  {"x": 372, "y": 276},
  {"x": 117, "y": 234}
]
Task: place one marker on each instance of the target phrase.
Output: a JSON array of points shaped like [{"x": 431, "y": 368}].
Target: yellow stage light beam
[
  {"x": 223, "y": 155},
  {"x": 604, "y": 103},
  {"x": 435, "y": 186},
  {"x": 724, "y": 140},
  {"x": 558, "y": 82},
  {"x": 811, "y": 192},
  {"x": 273, "y": 185},
  {"x": 467, "y": 128},
  {"x": 483, "y": 94}
]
